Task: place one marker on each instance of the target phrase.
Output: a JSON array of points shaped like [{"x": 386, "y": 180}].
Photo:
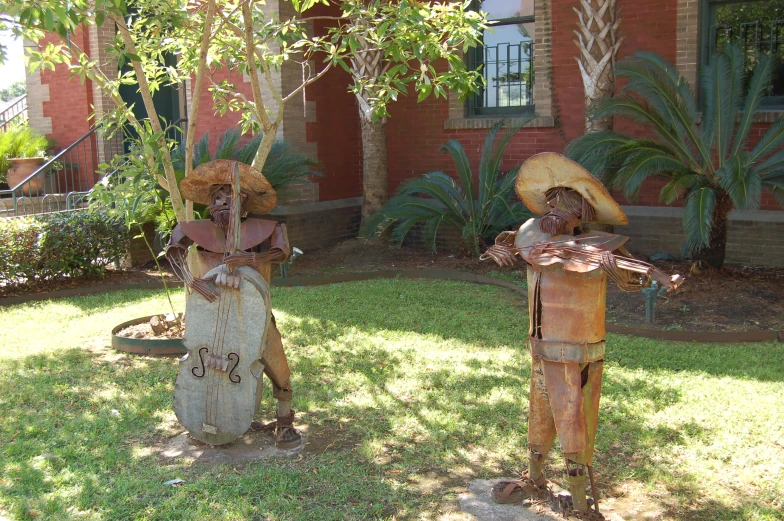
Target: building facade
[{"x": 530, "y": 67}]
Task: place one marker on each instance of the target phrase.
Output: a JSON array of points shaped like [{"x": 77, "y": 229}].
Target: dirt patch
[
  {"x": 250, "y": 446},
  {"x": 736, "y": 298},
  {"x": 159, "y": 327}
]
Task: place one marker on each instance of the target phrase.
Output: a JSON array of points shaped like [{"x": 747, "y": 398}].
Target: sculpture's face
[
  {"x": 220, "y": 210},
  {"x": 566, "y": 211}
]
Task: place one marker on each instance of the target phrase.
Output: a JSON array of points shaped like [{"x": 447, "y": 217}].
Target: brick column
[
  {"x": 687, "y": 40},
  {"x": 100, "y": 39},
  {"x": 37, "y": 94}
]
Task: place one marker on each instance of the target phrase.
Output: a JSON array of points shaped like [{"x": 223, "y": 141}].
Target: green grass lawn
[{"x": 408, "y": 389}]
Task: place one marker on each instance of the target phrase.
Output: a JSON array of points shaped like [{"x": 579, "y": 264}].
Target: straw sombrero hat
[
  {"x": 549, "y": 170},
  {"x": 196, "y": 186}
]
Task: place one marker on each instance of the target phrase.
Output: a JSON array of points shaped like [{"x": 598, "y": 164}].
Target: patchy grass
[{"x": 409, "y": 390}]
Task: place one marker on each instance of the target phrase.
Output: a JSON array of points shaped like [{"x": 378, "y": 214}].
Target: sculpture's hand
[
  {"x": 235, "y": 260},
  {"x": 227, "y": 280},
  {"x": 502, "y": 255},
  {"x": 203, "y": 288}
]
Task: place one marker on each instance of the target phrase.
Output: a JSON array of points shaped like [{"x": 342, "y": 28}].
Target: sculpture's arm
[
  {"x": 278, "y": 253},
  {"x": 176, "y": 253}
]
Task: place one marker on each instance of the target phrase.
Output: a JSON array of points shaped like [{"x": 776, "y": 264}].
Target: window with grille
[
  {"x": 506, "y": 59},
  {"x": 758, "y": 27}
]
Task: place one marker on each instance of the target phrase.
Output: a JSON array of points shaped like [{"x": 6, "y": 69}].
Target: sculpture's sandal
[{"x": 515, "y": 492}]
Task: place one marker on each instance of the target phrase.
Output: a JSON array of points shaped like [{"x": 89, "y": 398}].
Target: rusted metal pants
[
  {"x": 566, "y": 339},
  {"x": 564, "y": 401}
]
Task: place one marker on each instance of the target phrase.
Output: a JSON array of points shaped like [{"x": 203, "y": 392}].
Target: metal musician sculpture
[
  {"x": 230, "y": 332},
  {"x": 567, "y": 284}
]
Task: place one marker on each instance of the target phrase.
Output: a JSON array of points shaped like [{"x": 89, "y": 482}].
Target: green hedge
[{"x": 46, "y": 247}]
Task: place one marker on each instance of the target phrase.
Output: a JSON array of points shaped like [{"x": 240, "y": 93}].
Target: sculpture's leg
[
  {"x": 574, "y": 391},
  {"x": 541, "y": 425},
  {"x": 541, "y": 434},
  {"x": 276, "y": 367}
]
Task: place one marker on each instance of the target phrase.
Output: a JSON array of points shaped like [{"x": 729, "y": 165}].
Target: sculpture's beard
[
  {"x": 221, "y": 214},
  {"x": 557, "y": 222}
]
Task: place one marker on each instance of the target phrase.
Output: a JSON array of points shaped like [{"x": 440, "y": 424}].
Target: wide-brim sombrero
[
  {"x": 198, "y": 184},
  {"x": 549, "y": 170}
]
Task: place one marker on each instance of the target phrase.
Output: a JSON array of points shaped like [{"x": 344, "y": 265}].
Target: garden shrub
[{"x": 51, "y": 246}]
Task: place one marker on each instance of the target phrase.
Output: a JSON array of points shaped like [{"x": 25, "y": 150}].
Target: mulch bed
[
  {"x": 113, "y": 277},
  {"x": 736, "y": 298}
]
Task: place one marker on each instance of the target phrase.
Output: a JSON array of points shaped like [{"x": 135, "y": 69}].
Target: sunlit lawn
[{"x": 409, "y": 390}]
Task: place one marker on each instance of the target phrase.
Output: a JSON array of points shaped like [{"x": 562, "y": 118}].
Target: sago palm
[
  {"x": 436, "y": 199},
  {"x": 702, "y": 148}
]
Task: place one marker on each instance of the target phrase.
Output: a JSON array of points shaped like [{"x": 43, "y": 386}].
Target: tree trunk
[
  {"x": 375, "y": 184},
  {"x": 714, "y": 253},
  {"x": 598, "y": 44}
]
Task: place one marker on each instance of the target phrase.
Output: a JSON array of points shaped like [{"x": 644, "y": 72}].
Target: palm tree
[
  {"x": 598, "y": 41},
  {"x": 436, "y": 198},
  {"x": 701, "y": 148}
]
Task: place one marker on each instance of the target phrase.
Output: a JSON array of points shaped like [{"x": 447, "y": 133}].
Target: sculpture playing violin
[
  {"x": 567, "y": 287},
  {"x": 230, "y": 332}
]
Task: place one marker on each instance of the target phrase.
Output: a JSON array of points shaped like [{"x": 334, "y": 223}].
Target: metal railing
[
  {"x": 65, "y": 181},
  {"x": 14, "y": 113}
]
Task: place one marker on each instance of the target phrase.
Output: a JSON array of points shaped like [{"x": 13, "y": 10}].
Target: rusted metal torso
[
  {"x": 567, "y": 308},
  {"x": 211, "y": 242}
]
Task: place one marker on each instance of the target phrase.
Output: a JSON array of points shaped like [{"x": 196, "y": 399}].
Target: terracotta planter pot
[{"x": 20, "y": 169}]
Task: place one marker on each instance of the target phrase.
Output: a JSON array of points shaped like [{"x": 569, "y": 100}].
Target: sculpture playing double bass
[
  {"x": 567, "y": 286},
  {"x": 230, "y": 333}
]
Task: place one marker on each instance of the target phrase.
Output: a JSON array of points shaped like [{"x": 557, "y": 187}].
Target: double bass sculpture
[{"x": 230, "y": 333}]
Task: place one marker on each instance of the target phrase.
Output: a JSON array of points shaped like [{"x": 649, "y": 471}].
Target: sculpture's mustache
[{"x": 221, "y": 213}]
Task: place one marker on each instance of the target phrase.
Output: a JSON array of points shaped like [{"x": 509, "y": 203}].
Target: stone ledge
[
  {"x": 676, "y": 212},
  {"x": 321, "y": 206},
  {"x": 488, "y": 122}
]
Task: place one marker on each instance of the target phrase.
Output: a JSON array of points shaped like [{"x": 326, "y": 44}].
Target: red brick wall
[
  {"x": 416, "y": 130},
  {"x": 208, "y": 119},
  {"x": 69, "y": 108}
]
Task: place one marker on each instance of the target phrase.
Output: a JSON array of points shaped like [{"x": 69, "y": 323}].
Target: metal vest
[{"x": 567, "y": 308}]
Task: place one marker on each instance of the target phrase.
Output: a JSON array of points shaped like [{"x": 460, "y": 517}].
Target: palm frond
[
  {"x": 642, "y": 112},
  {"x": 757, "y": 88},
  {"x": 429, "y": 184},
  {"x": 772, "y": 139},
  {"x": 698, "y": 217},
  {"x": 436, "y": 199},
  {"x": 247, "y": 152},
  {"x": 658, "y": 83},
  {"x": 462, "y": 165},
  {"x": 679, "y": 185},
  {"x": 777, "y": 189},
  {"x": 486, "y": 171},
  {"x": 642, "y": 164},
  {"x": 227, "y": 142},
  {"x": 740, "y": 181}
]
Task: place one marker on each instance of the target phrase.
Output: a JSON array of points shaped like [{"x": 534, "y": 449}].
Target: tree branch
[
  {"x": 152, "y": 114},
  {"x": 190, "y": 135}
]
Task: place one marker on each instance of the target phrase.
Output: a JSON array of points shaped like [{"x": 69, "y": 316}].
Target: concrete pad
[{"x": 478, "y": 504}]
